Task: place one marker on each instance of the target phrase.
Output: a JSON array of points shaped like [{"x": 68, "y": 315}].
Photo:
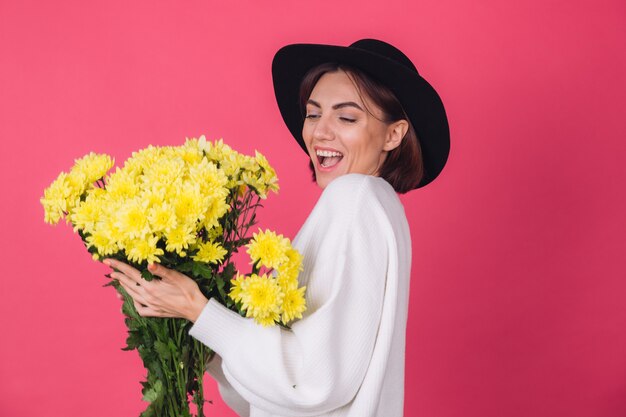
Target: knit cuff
[{"x": 216, "y": 326}]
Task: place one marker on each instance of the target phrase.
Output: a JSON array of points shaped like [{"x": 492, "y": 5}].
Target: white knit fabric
[{"x": 345, "y": 357}]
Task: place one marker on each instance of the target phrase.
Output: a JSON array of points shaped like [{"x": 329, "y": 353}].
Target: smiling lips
[{"x": 327, "y": 158}]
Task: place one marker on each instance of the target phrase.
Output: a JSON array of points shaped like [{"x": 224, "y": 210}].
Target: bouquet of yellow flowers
[{"x": 189, "y": 208}]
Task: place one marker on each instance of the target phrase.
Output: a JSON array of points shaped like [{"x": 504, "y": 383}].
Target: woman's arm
[
  {"x": 230, "y": 396},
  {"x": 320, "y": 364}
]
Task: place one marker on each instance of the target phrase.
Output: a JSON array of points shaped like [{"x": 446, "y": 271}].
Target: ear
[{"x": 395, "y": 134}]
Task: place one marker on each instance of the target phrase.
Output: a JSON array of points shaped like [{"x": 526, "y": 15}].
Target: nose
[{"x": 323, "y": 130}]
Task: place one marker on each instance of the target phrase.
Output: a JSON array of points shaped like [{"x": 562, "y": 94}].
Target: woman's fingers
[
  {"x": 144, "y": 311},
  {"x": 149, "y": 311},
  {"x": 131, "y": 287},
  {"x": 128, "y": 270},
  {"x": 161, "y": 271},
  {"x": 174, "y": 295},
  {"x": 146, "y": 304}
]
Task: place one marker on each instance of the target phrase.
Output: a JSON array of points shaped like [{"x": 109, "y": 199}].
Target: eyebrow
[{"x": 336, "y": 106}]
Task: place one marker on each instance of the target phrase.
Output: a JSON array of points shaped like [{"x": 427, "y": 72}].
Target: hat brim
[{"x": 419, "y": 99}]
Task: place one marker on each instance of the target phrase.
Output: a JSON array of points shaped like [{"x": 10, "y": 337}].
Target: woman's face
[{"x": 341, "y": 135}]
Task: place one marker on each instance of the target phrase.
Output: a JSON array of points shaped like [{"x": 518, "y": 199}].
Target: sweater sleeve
[
  {"x": 226, "y": 390},
  {"x": 319, "y": 364}
]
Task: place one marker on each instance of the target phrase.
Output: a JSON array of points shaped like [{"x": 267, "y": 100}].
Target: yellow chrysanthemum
[
  {"x": 216, "y": 208},
  {"x": 268, "y": 319},
  {"x": 293, "y": 304},
  {"x": 77, "y": 182},
  {"x": 109, "y": 229},
  {"x": 231, "y": 166},
  {"x": 194, "y": 142},
  {"x": 287, "y": 281},
  {"x": 238, "y": 287},
  {"x": 103, "y": 240},
  {"x": 162, "y": 218},
  {"x": 248, "y": 163},
  {"x": 54, "y": 199},
  {"x": 97, "y": 193},
  {"x": 210, "y": 252},
  {"x": 164, "y": 171},
  {"x": 262, "y": 299},
  {"x": 211, "y": 179},
  {"x": 153, "y": 194},
  {"x": 189, "y": 204},
  {"x": 121, "y": 184},
  {"x": 132, "y": 219},
  {"x": 289, "y": 270},
  {"x": 262, "y": 161},
  {"x": 63, "y": 195},
  {"x": 235, "y": 164},
  {"x": 253, "y": 181},
  {"x": 141, "y": 159},
  {"x": 190, "y": 152},
  {"x": 87, "y": 213},
  {"x": 164, "y": 199},
  {"x": 171, "y": 191},
  {"x": 215, "y": 151},
  {"x": 93, "y": 166},
  {"x": 215, "y": 232},
  {"x": 179, "y": 239},
  {"x": 145, "y": 249},
  {"x": 269, "y": 249},
  {"x": 268, "y": 177}
]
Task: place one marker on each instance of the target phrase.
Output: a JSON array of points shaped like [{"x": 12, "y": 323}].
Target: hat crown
[{"x": 385, "y": 50}]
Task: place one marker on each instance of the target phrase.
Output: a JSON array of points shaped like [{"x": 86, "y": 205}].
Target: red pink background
[{"x": 518, "y": 291}]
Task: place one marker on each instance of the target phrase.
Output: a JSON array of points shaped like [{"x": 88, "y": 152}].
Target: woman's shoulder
[
  {"x": 358, "y": 192},
  {"x": 356, "y": 201},
  {"x": 356, "y": 188},
  {"x": 354, "y": 183}
]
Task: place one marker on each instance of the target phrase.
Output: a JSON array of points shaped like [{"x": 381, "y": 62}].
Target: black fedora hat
[{"x": 386, "y": 64}]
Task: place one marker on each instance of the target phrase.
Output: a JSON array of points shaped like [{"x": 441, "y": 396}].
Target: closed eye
[{"x": 347, "y": 119}]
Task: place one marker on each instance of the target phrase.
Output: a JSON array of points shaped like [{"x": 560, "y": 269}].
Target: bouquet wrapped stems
[{"x": 175, "y": 362}]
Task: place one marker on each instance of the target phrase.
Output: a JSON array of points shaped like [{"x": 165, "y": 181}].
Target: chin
[
  {"x": 321, "y": 182},
  {"x": 325, "y": 179},
  {"x": 322, "y": 185}
]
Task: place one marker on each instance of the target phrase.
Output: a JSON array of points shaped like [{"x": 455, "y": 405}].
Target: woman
[{"x": 362, "y": 109}]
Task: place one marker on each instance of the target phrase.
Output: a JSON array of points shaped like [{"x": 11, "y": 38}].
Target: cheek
[
  {"x": 368, "y": 151},
  {"x": 367, "y": 144}
]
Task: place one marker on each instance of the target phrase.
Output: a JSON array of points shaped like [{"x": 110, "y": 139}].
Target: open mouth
[{"x": 328, "y": 159}]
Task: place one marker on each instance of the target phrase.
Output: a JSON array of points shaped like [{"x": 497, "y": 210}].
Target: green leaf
[
  {"x": 162, "y": 349},
  {"x": 185, "y": 266},
  {"x": 147, "y": 275},
  {"x": 228, "y": 272},
  {"x": 200, "y": 269},
  {"x": 152, "y": 394},
  {"x": 133, "y": 340}
]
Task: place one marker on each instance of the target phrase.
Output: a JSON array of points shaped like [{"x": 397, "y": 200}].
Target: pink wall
[{"x": 518, "y": 289}]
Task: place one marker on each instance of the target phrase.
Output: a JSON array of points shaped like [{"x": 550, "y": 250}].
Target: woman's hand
[{"x": 174, "y": 295}]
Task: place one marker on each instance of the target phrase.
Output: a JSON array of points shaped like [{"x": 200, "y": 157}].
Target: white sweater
[{"x": 345, "y": 357}]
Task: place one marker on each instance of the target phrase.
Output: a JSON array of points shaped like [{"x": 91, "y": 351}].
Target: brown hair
[{"x": 403, "y": 167}]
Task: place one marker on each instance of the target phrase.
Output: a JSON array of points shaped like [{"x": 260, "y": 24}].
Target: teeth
[{"x": 327, "y": 153}]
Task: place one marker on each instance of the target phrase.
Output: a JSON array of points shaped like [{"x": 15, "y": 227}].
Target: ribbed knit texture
[{"x": 345, "y": 357}]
